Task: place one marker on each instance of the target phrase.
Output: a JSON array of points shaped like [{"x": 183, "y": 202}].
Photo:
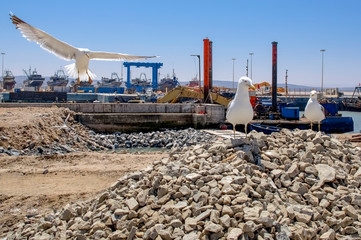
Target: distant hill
[
  {"x": 347, "y": 89},
  {"x": 229, "y": 84},
  {"x": 218, "y": 83},
  {"x": 295, "y": 86},
  {"x": 19, "y": 81}
]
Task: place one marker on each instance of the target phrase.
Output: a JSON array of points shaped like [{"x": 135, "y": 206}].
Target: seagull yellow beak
[{"x": 252, "y": 87}]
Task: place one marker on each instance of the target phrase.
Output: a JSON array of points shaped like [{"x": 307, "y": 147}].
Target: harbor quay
[{"x": 130, "y": 117}]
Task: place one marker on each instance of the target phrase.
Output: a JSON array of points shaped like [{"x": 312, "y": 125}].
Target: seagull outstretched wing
[
  {"x": 45, "y": 40},
  {"x": 115, "y": 56}
]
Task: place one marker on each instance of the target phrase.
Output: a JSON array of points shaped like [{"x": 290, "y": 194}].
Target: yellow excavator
[
  {"x": 267, "y": 85},
  {"x": 262, "y": 84},
  {"x": 189, "y": 92}
]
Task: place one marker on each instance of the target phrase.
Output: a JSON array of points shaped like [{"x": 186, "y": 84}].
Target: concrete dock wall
[
  {"x": 131, "y": 122},
  {"x": 127, "y": 117},
  {"x": 129, "y": 107}
]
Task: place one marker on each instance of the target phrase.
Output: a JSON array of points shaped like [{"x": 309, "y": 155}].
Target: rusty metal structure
[
  {"x": 274, "y": 76},
  {"x": 207, "y": 68}
]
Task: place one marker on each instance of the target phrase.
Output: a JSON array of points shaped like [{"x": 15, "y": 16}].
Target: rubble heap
[
  {"x": 42, "y": 131},
  {"x": 288, "y": 185},
  {"x": 167, "y": 138},
  {"x": 54, "y": 131}
]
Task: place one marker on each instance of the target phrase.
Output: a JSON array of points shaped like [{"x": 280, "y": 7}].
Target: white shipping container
[
  {"x": 29, "y": 89},
  {"x": 61, "y": 89}
]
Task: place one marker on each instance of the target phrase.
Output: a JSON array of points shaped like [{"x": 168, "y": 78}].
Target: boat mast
[
  {"x": 121, "y": 73},
  {"x": 27, "y": 75},
  {"x": 286, "y": 84}
]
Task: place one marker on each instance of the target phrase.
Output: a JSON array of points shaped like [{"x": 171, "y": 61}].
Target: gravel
[
  {"x": 92, "y": 141},
  {"x": 309, "y": 188}
]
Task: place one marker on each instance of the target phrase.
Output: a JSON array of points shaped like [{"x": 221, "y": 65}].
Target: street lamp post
[
  {"x": 247, "y": 68},
  {"x": 2, "y": 70},
  {"x": 251, "y": 64},
  {"x": 286, "y": 84},
  {"x": 322, "y": 51},
  {"x": 233, "y": 59},
  {"x": 199, "y": 65}
]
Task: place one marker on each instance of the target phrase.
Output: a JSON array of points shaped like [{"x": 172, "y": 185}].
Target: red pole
[
  {"x": 274, "y": 76},
  {"x": 206, "y": 67},
  {"x": 210, "y": 65}
]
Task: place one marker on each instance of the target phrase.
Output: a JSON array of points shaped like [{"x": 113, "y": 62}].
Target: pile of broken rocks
[{"x": 287, "y": 185}]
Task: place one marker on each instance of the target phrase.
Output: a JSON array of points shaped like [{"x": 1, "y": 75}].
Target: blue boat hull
[
  {"x": 332, "y": 124},
  {"x": 264, "y": 128},
  {"x": 337, "y": 125}
]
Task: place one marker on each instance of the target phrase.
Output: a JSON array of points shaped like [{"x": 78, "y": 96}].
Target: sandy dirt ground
[
  {"x": 31, "y": 185},
  {"x": 347, "y": 137}
]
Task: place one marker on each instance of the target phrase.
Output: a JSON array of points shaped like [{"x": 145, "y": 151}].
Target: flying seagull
[
  {"x": 240, "y": 110},
  {"x": 63, "y": 50},
  {"x": 314, "y": 111}
]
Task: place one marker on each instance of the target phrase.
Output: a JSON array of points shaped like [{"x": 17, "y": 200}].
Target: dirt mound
[{"x": 29, "y": 128}]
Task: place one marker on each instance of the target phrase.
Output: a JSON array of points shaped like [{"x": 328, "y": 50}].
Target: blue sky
[{"x": 175, "y": 29}]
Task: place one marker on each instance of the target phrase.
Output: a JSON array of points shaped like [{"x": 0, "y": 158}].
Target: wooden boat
[
  {"x": 264, "y": 128},
  {"x": 353, "y": 103},
  {"x": 356, "y": 138}
]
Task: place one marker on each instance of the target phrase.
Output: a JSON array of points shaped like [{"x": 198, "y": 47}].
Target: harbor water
[{"x": 356, "y": 117}]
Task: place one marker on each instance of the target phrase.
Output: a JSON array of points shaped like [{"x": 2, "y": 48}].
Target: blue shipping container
[
  {"x": 330, "y": 109},
  {"x": 290, "y": 112},
  {"x": 110, "y": 90}
]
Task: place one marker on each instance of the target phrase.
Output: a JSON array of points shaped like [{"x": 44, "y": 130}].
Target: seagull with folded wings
[
  {"x": 240, "y": 110},
  {"x": 314, "y": 111},
  {"x": 63, "y": 50}
]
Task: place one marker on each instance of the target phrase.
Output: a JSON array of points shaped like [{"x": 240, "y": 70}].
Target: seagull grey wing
[
  {"x": 115, "y": 56},
  {"x": 45, "y": 40}
]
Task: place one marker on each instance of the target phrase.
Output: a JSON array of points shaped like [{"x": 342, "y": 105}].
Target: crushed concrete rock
[
  {"x": 49, "y": 131},
  {"x": 33, "y": 130},
  {"x": 309, "y": 189}
]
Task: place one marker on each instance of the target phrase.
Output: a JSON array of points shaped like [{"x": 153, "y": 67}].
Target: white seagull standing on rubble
[
  {"x": 79, "y": 69},
  {"x": 314, "y": 110},
  {"x": 240, "y": 110}
]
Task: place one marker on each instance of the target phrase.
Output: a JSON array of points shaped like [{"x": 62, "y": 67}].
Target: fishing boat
[
  {"x": 139, "y": 85},
  {"x": 194, "y": 82},
  {"x": 141, "y": 81},
  {"x": 168, "y": 83},
  {"x": 113, "y": 81},
  {"x": 353, "y": 103},
  {"x": 59, "y": 79},
  {"x": 111, "y": 85},
  {"x": 8, "y": 81},
  {"x": 33, "y": 81}
]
